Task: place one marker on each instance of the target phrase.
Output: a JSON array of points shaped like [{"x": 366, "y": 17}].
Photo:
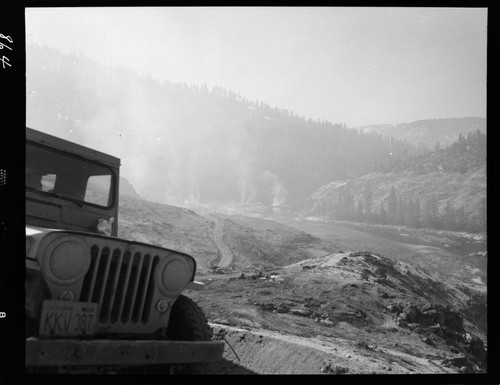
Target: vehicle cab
[{"x": 69, "y": 186}]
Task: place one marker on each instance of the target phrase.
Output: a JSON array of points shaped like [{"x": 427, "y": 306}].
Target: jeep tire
[{"x": 188, "y": 323}]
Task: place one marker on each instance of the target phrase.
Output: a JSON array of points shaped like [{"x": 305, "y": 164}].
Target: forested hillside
[
  {"x": 187, "y": 143},
  {"x": 445, "y": 188},
  {"x": 466, "y": 154},
  {"x": 430, "y": 131}
]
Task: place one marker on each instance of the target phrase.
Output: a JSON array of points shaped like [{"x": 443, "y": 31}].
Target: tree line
[
  {"x": 465, "y": 154},
  {"x": 399, "y": 209}
]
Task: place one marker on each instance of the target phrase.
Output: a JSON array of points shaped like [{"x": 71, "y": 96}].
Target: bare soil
[
  {"x": 322, "y": 297},
  {"x": 345, "y": 312}
]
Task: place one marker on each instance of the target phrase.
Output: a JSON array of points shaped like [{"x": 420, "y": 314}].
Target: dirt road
[
  {"x": 260, "y": 351},
  {"x": 225, "y": 255}
]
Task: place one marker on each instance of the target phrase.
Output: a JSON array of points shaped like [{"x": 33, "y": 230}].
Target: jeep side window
[
  {"x": 71, "y": 185},
  {"x": 96, "y": 184},
  {"x": 40, "y": 182},
  {"x": 68, "y": 176}
]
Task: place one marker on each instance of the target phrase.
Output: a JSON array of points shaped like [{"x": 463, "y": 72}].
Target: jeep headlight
[
  {"x": 67, "y": 261},
  {"x": 174, "y": 275}
]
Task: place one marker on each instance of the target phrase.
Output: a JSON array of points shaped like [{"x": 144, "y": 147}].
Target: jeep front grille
[{"x": 122, "y": 284}]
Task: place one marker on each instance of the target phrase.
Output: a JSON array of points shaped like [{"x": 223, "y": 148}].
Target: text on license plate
[{"x": 63, "y": 318}]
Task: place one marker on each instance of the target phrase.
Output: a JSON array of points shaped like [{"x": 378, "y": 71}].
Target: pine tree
[
  {"x": 417, "y": 213},
  {"x": 461, "y": 222},
  {"x": 435, "y": 211},
  {"x": 448, "y": 217},
  {"x": 360, "y": 213},
  {"x": 339, "y": 208},
  {"x": 482, "y": 219},
  {"x": 352, "y": 206},
  {"x": 430, "y": 214},
  {"x": 392, "y": 205},
  {"x": 367, "y": 198},
  {"x": 399, "y": 218},
  {"x": 383, "y": 214},
  {"x": 408, "y": 212}
]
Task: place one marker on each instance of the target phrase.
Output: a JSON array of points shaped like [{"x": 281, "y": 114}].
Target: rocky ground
[
  {"x": 351, "y": 312},
  {"x": 302, "y": 298}
]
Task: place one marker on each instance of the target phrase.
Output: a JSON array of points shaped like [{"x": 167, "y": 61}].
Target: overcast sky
[{"x": 355, "y": 66}]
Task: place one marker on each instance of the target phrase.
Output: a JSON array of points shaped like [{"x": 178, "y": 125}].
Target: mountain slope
[
  {"x": 175, "y": 140},
  {"x": 444, "y": 188},
  {"x": 430, "y": 131},
  {"x": 437, "y": 191},
  {"x": 126, "y": 188}
]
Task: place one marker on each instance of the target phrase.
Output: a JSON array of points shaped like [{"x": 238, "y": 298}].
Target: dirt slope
[
  {"x": 352, "y": 312},
  {"x": 399, "y": 307},
  {"x": 263, "y": 352},
  {"x": 233, "y": 242}
]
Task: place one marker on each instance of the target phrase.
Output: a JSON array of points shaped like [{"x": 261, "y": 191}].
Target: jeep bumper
[{"x": 119, "y": 352}]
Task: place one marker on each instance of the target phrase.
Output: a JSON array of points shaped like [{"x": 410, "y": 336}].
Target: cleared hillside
[
  {"x": 251, "y": 242},
  {"x": 397, "y": 307}
]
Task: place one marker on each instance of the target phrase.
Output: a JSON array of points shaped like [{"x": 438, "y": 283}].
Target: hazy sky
[{"x": 347, "y": 65}]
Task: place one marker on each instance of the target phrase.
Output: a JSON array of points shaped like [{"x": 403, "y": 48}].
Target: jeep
[{"x": 94, "y": 300}]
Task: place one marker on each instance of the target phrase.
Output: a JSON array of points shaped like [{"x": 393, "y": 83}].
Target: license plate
[{"x": 63, "y": 318}]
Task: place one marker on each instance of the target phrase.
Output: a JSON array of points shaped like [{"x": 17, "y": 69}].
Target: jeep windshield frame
[{"x": 69, "y": 176}]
